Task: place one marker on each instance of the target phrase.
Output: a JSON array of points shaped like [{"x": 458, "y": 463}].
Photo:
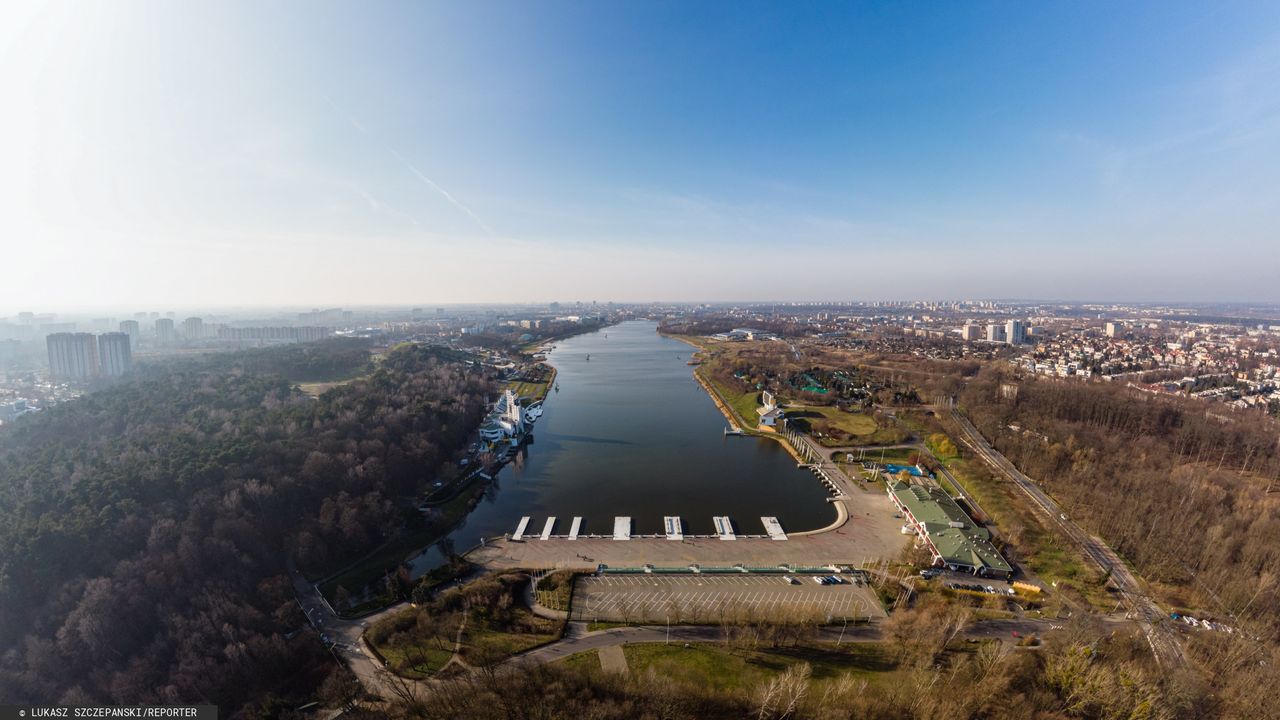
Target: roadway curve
[{"x": 1164, "y": 642}]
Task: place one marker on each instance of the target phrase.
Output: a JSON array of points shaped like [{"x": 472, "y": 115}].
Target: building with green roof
[{"x": 955, "y": 541}]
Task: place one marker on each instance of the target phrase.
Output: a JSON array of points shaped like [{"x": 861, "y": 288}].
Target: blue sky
[{"x": 304, "y": 153}]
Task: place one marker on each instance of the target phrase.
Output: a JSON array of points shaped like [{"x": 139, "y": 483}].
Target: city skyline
[{"x": 212, "y": 155}]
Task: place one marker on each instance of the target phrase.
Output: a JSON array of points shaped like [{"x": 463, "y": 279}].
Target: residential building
[
  {"x": 1015, "y": 333},
  {"x": 115, "y": 354},
  {"x": 193, "y": 328},
  {"x": 72, "y": 356},
  {"x": 131, "y": 328},
  {"x": 165, "y": 332},
  {"x": 995, "y": 332}
]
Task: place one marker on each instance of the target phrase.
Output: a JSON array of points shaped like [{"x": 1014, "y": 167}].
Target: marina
[{"x": 631, "y": 433}]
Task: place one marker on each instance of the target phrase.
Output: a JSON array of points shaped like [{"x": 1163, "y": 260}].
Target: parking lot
[{"x": 718, "y": 598}]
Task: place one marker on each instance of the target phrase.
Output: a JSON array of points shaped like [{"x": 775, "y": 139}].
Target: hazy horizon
[{"x": 165, "y": 156}]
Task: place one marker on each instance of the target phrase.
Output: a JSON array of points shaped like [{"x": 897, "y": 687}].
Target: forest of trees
[
  {"x": 1189, "y": 496},
  {"x": 145, "y": 529}
]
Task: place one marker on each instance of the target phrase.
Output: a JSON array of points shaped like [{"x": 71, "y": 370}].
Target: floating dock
[
  {"x": 674, "y": 529},
  {"x": 622, "y": 528},
  {"x": 546, "y": 529},
  {"x": 773, "y": 527},
  {"x": 524, "y": 524},
  {"x": 577, "y": 525},
  {"x": 724, "y": 528}
]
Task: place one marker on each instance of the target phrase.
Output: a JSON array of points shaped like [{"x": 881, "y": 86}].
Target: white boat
[{"x": 533, "y": 412}]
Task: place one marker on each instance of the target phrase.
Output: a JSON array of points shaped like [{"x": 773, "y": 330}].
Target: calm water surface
[{"x": 632, "y": 433}]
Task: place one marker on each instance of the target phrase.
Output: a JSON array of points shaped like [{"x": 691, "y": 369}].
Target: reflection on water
[{"x": 632, "y": 433}]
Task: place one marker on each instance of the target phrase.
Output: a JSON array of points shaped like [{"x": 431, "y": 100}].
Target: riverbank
[
  {"x": 736, "y": 422},
  {"x": 531, "y": 347}
]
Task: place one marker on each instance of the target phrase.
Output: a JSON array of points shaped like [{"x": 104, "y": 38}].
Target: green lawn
[
  {"x": 588, "y": 662},
  {"x": 856, "y": 424},
  {"x": 426, "y": 661},
  {"x": 743, "y": 402},
  {"x": 745, "y": 405},
  {"x": 534, "y": 391}
]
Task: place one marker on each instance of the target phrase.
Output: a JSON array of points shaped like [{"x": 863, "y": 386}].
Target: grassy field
[
  {"x": 744, "y": 404},
  {"x": 588, "y": 662},
  {"x": 853, "y": 423},
  {"x": 426, "y": 661},
  {"x": 316, "y": 389},
  {"x": 483, "y": 642},
  {"x": 535, "y": 391},
  {"x": 720, "y": 668}
]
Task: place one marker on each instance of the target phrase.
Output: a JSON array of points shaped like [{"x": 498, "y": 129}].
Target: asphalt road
[{"x": 345, "y": 637}]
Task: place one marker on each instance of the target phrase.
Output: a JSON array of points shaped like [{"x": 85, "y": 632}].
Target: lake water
[{"x": 631, "y": 432}]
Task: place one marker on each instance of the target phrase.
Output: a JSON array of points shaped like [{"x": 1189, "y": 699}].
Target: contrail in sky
[
  {"x": 452, "y": 200},
  {"x": 413, "y": 169}
]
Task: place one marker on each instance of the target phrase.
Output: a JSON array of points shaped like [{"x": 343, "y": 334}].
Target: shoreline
[
  {"x": 727, "y": 412},
  {"x": 842, "y": 513}
]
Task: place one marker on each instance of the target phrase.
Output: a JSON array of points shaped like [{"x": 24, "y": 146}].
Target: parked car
[{"x": 790, "y": 580}]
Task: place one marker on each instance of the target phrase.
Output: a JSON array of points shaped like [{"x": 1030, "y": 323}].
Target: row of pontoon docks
[
  {"x": 673, "y": 529},
  {"x": 853, "y": 574}
]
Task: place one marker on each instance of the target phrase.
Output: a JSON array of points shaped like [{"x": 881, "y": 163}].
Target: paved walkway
[{"x": 613, "y": 660}]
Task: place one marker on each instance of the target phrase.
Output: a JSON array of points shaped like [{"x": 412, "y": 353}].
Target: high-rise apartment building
[
  {"x": 1114, "y": 329},
  {"x": 1015, "y": 333},
  {"x": 115, "y": 354},
  {"x": 131, "y": 328},
  {"x": 193, "y": 328},
  {"x": 72, "y": 356},
  {"x": 165, "y": 332},
  {"x": 971, "y": 331},
  {"x": 995, "y": 332}
]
